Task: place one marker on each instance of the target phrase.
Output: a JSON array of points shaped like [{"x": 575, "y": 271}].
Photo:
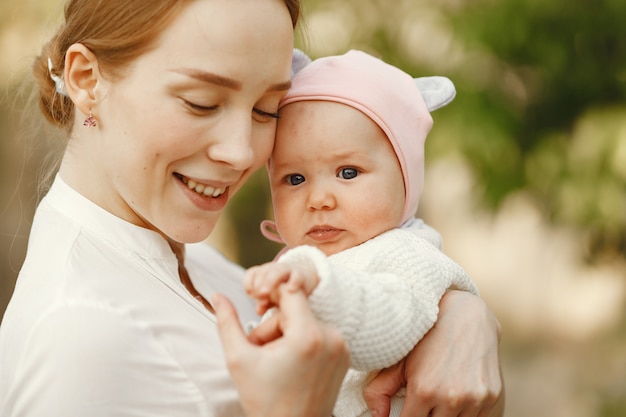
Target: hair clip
[{"x": 59, "y": 84}]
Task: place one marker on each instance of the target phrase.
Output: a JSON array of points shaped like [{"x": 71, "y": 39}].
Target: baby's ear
[
  {"x": 436, "y": 91},
  {"x": 299, "y": 60}
]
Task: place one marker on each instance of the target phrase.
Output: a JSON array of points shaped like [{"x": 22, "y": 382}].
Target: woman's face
[{"x": 192, "y": 118}]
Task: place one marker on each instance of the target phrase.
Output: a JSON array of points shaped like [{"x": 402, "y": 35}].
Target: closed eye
[
  {"x": 197, "y": 108},
  {"x": 263, "y": 116}
]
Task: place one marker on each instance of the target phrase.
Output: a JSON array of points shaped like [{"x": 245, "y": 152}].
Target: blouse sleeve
[{"x": 382, "y": 295}]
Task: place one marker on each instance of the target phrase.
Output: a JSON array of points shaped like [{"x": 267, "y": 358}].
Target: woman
[{"x": 169, "y": 107}]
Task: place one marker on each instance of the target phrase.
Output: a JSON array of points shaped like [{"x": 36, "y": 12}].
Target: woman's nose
[{"x": 233, "y": 146}]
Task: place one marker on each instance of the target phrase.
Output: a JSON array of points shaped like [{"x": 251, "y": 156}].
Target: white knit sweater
[{"x": 383, "y": 296}]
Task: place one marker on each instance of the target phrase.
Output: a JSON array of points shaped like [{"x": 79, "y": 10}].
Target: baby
[{"x": 346, "y": 174}]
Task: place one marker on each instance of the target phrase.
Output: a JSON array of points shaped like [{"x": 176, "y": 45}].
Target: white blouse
[{"x": 100, "y": 324}]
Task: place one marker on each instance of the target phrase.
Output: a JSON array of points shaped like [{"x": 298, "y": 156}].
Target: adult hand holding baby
[{"x": 311, "y": 359}]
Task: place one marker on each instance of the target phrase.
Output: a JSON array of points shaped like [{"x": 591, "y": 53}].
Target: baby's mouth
[{"x": 202, "y": 189}]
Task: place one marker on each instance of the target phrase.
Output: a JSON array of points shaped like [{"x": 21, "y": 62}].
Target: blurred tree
[{"x": 569, "y": 130}]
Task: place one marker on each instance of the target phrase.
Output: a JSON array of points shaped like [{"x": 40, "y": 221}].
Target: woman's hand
[
  {"x": 297, "y": 374},
  {"x": 453, "y": 371}
]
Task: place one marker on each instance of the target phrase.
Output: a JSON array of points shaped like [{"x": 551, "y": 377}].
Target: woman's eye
[
  {"x": 348, "y": 173},
  {"x": 198, "y": 108},
  {"x": 263, "y": 116},
  {"x": 294, "y": 179}
]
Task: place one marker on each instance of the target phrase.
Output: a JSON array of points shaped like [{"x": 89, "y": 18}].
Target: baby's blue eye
[
  {"x": 295, "y": 179},
  {"x": 348, "y": 173}
]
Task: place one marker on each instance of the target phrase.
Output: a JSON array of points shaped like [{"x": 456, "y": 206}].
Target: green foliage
[
  {"x": 568, "y": 134},
  {"x": 577, "y": 52},
  {"x": 616, "y": 408}
]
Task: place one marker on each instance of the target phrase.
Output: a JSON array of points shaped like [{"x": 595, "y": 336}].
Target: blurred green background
[{"x": 526, "y": 170}]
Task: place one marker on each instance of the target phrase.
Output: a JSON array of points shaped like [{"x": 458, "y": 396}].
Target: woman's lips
[
  {"x": 203, "y": 196},
  {"x": 203, "y": 189}
]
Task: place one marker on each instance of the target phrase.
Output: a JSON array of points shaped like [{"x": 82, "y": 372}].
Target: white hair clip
[{"x": 59, "y": 84}]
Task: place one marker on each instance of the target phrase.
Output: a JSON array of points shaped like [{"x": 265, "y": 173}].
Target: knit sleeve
[{"x": 383, "y": 295}]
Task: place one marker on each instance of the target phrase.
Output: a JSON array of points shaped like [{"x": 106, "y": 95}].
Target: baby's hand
[{"x": 262, "y": 282}]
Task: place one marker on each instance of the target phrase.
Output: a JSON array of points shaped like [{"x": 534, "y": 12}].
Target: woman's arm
[
  {"x": 455, "y": 370},
  {"x": 296, "y": 375}
]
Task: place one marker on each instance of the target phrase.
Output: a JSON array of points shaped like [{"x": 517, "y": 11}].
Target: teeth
[{"x": 205, "y": 190}]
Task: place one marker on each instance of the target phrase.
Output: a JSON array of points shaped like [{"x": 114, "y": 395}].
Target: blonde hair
[{"x": 116, "y": 31}]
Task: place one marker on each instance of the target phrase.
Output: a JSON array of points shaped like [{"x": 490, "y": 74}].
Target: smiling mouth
[{"x": 199, "y": 188}]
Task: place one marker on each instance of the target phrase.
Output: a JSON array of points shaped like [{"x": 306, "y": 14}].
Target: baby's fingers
[
  {"x": 250, "y": 280},
  {"x": 303, "y": 280},
  {"x": 262, "y": 305},
  {"x": 270, "y": 278},
  {"x": 259, "y": 280},
  {"x": 297, "y": 281}
]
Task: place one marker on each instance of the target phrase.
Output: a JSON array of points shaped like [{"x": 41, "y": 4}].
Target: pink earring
[{"x": 90, "y": 121}]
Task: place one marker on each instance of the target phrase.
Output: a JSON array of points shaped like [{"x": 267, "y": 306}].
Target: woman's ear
[{"x": 81, "y": 77}]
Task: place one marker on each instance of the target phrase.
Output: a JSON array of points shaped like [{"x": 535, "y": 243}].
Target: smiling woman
[
  {"x": 180, "y": 119},
  {"x": 169, "y": 106}
]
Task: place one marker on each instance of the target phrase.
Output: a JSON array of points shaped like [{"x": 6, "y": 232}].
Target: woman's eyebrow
[
  {"x": 222, "y": 81},
  {"x": 280, "y": 86},
  {"x": 210, "y": 77}
]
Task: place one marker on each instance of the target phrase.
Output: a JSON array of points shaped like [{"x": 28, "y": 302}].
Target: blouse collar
[{"x": 123, "y": 235}]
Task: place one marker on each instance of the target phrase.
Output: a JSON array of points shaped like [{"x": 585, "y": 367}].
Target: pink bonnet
[{"x": 394, "y": 100}]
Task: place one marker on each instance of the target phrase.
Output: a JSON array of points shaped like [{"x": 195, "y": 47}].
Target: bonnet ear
[
  {"x": 298, "y": 61},
  {"x": 436, "y": 91}
]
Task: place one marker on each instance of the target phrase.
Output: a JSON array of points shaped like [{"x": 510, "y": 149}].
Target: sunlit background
[{"x": 526, "y": 170}]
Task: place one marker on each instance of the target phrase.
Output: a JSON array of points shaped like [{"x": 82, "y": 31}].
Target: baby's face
[{"x": 336, "y": 181}]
